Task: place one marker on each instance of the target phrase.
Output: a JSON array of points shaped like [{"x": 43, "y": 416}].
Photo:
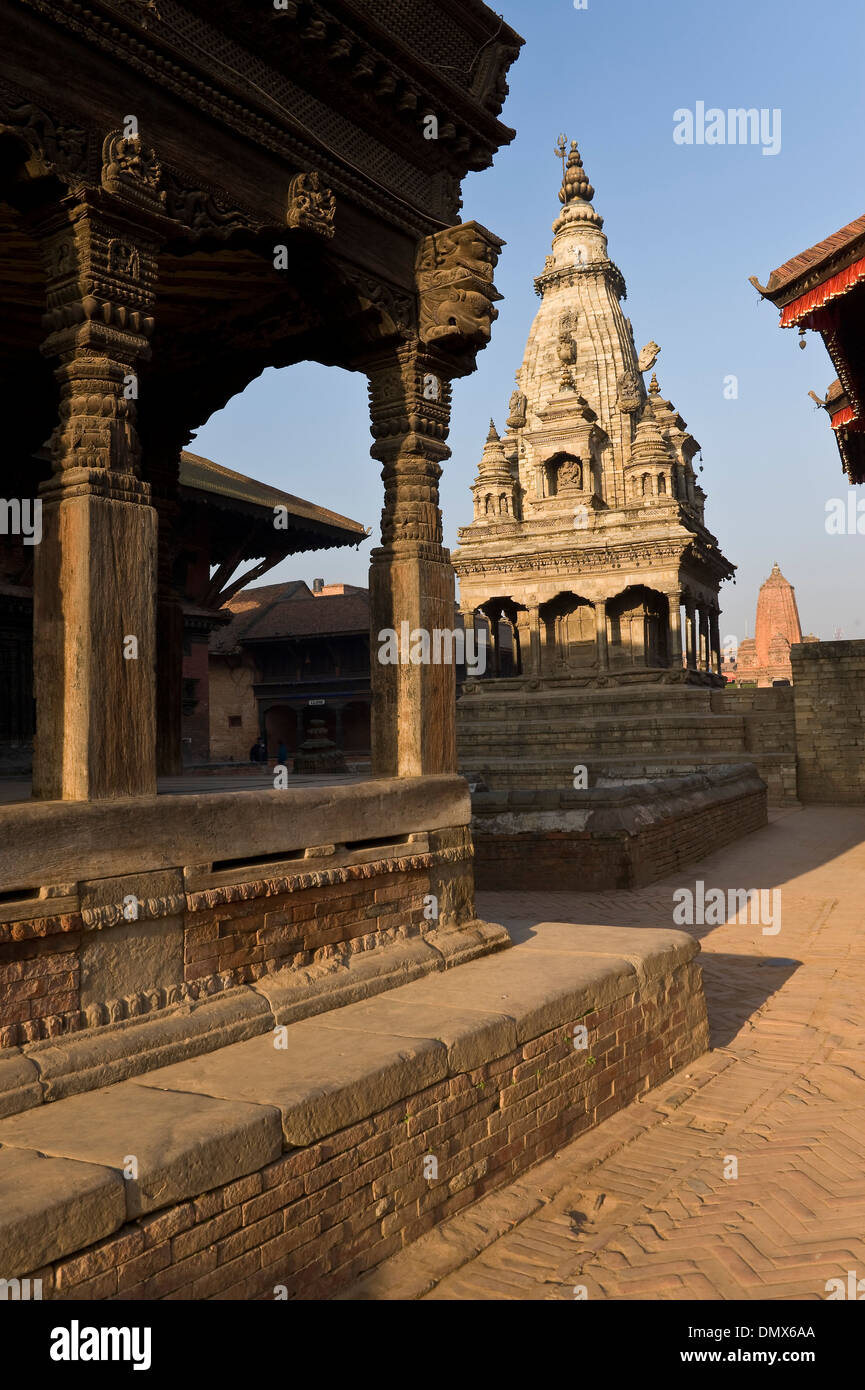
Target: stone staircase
[{"x": 512, "y": 737}]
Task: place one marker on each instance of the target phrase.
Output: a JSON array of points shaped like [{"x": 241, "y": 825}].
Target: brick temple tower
[
  {"x": 764, "y": 659},
  {"x": 588, "y": 538}
]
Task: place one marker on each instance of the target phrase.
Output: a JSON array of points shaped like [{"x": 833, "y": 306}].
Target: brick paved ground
[{"x": 640, "y": 1207}]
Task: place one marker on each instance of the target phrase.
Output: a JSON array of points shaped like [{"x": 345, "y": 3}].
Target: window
[{"x": 234, "y": 721}]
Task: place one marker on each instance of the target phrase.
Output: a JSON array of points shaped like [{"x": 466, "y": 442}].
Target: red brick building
[
  {"x": 287, "y": 655},
  {"x": 231, "y": 530}
]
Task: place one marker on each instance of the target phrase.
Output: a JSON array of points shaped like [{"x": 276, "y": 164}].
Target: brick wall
[
  {"x": 250, "y": 939},
  {"x": 195, "y": 726},
  {"x": 39, "y": 981},
  {"x": 552, "y": 860},
  {"x": 770, "y": 734},
  {"x": 315, "y": 1219},
  {"x": 829, "y": 705},
  {"x": 256, "y": 931}
]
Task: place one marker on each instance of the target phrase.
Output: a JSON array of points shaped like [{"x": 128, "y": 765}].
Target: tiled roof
[
  {"x": 247, "y": 606},
  {"x": 806, "y": 260},
  {"x": 290, "y": 610},
  {"x": 337, "y": 613}
]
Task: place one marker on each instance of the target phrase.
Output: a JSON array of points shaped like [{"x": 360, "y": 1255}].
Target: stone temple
[
  {"x": 589, "y": 563},
  {"x": 588, "y": 538}
]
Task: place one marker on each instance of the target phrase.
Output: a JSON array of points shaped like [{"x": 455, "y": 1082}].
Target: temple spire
[{"x": 575, "y": 181}]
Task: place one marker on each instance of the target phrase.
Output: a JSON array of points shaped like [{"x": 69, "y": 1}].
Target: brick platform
[
  {"x": 107, "y": 912},
  {"x": 611, "y": 837},
  {"x": 268, "y": 1172}
]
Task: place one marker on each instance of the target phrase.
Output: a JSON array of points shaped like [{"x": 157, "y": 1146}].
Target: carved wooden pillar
[
  {"x": 601, "y": 635},
  {"x": 411, "y": 579},
  {"x": 95, "y": 572},
  {"x": 674, "y": 600}
]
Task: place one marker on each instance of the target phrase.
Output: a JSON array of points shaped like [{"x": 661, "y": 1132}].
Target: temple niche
[{"x": 587, "y": 511}]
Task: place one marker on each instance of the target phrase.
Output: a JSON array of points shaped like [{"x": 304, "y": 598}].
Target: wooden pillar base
[
  {"x": 96, "y": 725},
  {"x": 413, "y": 727}
]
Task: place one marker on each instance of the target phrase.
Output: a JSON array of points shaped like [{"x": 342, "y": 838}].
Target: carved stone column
[
  {"x": 714, "y": 642},
  {"x": 535, "y": 632},
  {"x": 411, "y": 579},
  {"x": 524, "y": 642},
  {"x": 95, "y": 572},
  {"x": 691, "y": 633},
  {"x": 471, "y": 637},
  {"x": 601, "y": 635},
  {"x": 495, "y": 646},
  {"x": 702, "y": 638},
  {"x": 675, "y": 600}
]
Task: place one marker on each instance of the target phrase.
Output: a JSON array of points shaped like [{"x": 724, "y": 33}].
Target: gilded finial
[{"x": 575, "y": 182}]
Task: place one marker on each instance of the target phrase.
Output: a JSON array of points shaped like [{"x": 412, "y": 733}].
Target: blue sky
[{"x": 687, "y": 225}]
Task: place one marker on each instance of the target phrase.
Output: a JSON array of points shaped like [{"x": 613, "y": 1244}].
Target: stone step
[
  {"x": 234, "y": 1149},
  {"x": 613, "y": 700},
  {"x": 598, "y": 742}
]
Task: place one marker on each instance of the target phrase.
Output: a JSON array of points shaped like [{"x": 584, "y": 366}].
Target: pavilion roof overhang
[
  {"x": 307, "y": 526},
  {"x": 823, "y": 289}
]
